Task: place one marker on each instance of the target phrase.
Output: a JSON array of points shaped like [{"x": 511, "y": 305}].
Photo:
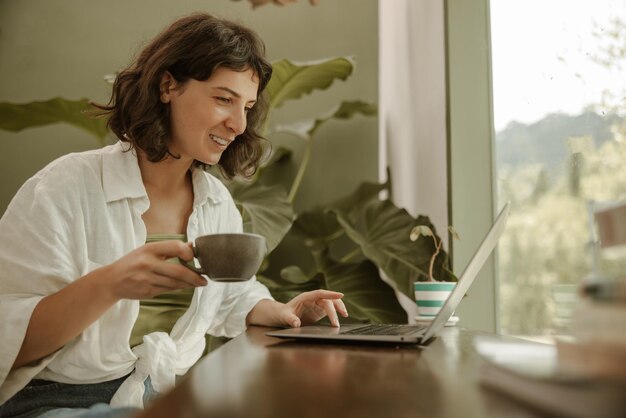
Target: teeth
[{"x": 219, "y": 140}]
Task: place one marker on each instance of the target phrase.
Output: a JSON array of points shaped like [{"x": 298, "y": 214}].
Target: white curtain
[{"x": 412, "y": 100}]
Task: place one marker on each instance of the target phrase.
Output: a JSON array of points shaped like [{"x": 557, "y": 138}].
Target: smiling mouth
[{"x": 219, "y": 140}]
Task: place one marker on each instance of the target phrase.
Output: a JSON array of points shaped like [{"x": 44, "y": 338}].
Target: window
[{"x": 559, "y": 106}]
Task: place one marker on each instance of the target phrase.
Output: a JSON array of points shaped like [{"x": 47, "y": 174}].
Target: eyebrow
[{"x": 234, "y": 93}]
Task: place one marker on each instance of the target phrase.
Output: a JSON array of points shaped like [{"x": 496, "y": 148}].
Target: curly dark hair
[{"x": 192, "y": 47}]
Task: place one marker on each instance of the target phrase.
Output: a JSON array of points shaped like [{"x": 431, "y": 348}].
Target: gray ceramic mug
[{"x": 228, "y": 257}]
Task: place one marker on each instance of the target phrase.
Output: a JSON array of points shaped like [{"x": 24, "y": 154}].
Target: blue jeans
[{"x": 45, "y": 399}]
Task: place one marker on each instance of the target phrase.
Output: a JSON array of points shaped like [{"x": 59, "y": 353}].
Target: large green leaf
[
  {"x": 317, "y": 227},
  {"x": 16, "y": 117},
  {"x": 265, "y": 210},
  {"x": 294, "y": 274},
  {"x": 367, "y": 297},
  {"x": 307, "y": 128},
  {"x": 320, "y": 226},
  {"x": 353, "y": 204},
  {"x": 291, "y": 80},
  {"x": 382, "y": 232},
  {"x": 284, "y": 289}
]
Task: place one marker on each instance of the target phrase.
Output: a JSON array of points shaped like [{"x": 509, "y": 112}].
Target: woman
[{"x": 93, "y": 233}]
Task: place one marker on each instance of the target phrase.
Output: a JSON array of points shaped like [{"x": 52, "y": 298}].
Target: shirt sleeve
[
  {"x": 35, "y": 261},
  {"x": 238, "y": 298}
]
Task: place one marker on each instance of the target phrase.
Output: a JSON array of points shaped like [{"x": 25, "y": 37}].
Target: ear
[{"x": 167, "y": 85}]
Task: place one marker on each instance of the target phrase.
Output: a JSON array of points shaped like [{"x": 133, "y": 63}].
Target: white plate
[{"x": 451, "y": 322}]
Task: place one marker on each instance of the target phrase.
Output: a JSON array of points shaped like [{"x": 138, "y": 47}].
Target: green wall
[{"x": 65, "y": 47}]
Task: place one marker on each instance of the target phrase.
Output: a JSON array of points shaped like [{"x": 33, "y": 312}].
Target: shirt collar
[
  {"x": 122, "y": 178},
  {"x": 206, "y": 187}
]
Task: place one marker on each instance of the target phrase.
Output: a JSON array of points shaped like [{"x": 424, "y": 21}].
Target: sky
[{"x": 540, "y": 57}]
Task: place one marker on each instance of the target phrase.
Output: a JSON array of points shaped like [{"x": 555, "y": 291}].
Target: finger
[
  {"x": 329, "y": 308},
  {"x": 314, "y": 295},
  {"x": 179, "y": 273},
  {"x": 165, "y": 283},
  {"x": 293, "y": 321},
  {"x": 170, "y": 249},
  {"x": 340, "y": 307}
]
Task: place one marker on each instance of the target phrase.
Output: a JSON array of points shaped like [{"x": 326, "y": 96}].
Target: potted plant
[{"x": 430, "y": 295}]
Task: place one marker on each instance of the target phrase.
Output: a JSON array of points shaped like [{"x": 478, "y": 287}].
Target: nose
[{"x": 237, "y": 121}]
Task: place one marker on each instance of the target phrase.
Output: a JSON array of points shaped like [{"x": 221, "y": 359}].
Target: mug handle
[{"x": 189, "y": 264}]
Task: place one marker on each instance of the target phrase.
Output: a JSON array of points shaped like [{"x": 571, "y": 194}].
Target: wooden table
[{"x": 259, "y": 376}]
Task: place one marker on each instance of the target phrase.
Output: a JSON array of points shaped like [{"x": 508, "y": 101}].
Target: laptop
[{"x": 403, "y": 333}]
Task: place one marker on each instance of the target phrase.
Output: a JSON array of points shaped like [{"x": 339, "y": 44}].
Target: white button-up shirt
[{"x": 79, "y": 213}]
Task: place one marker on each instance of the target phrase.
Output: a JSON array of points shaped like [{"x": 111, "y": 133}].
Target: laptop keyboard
[{"x": 379, "y": 329}]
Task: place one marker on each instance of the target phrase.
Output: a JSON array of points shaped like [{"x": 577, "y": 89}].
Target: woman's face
[{"x": 206, "y": 116}]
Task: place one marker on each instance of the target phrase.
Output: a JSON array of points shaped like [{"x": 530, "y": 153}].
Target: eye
[{"x": 223, "y": 99}]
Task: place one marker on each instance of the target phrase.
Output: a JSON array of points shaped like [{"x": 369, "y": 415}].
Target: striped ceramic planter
[{"x": 430, "y": 296}]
